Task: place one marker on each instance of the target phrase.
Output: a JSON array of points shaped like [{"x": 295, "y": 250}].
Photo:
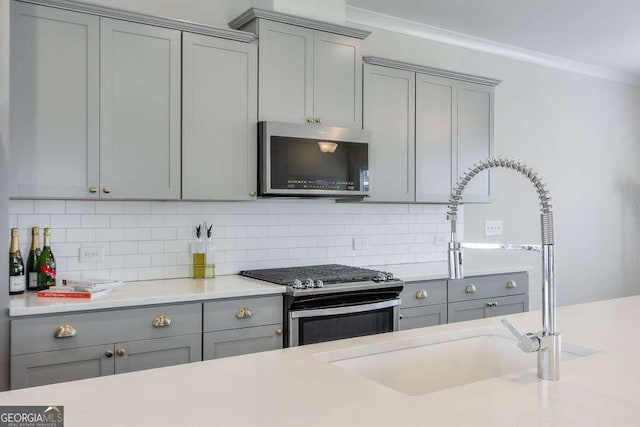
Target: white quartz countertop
[
  {"x": 132, "y": 294},
  {"x": 149, "y": 292},
  {"x": 291, "y": 387}
]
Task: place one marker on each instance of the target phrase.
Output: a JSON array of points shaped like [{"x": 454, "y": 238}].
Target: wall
[
  {"x": 4, "y": 161},
  {"x": 150, "y": 240}
]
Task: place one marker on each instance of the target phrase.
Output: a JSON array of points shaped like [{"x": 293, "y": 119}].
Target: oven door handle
[{"x": 298, "y": 314}]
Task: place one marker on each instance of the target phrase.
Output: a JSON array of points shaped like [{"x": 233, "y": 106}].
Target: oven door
[{"x": 326, "y": 324}]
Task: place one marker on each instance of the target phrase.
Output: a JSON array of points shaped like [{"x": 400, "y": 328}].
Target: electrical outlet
[
  {"x": 92, "y": 254},
  {"x": 493, "y": 228},
  {"x": 360, "y": 243}
]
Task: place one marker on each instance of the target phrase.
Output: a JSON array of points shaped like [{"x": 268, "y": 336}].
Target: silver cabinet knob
[
  {"x": 421, "y": 294},
  {"x": 318, "y": 120},
  {"x": 512, "y": 284},
  {"x": 121, "y": 352},
  {"x": 108, "y": 353},
  {"x": 279, "y": 332},
  {"x": 93, "y": 189},
  {"x": 106, "y": 189},
  {"x": 309, "y": 119},
  {"x": 470, "y": 289},
  {"x": 253, "y": 194}
]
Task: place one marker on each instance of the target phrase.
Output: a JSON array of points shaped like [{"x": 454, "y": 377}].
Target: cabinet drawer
[
  {"x": 242, "y": 313},
  {"x": 415, "y": 294},
  {"x": 241, "y": 341},
  {"x": 479, "y": 287},
  {"x": 419, "y": 317},
  {"x": 490, "y": 307},
  {"x": 36, "y": 334}
]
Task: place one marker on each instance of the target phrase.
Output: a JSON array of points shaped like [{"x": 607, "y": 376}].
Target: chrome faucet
[{"x": 546, "y": 342}]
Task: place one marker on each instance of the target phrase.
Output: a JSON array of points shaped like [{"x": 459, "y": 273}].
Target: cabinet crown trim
[
  {"x": 143, "y": 18},
  {"x": 285, "y": 18},
  {"x": 374, "y": 60}
]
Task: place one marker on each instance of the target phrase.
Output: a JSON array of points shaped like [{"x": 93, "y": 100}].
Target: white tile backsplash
[{"x": 150, "y": 240}]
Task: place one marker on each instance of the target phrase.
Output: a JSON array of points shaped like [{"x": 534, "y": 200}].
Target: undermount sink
[{"x": 435, "y": 362}]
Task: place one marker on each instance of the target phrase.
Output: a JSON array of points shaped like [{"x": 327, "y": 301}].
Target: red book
[{"x": 71, "y": 294}]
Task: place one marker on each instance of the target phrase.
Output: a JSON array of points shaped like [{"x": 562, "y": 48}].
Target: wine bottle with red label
[{"x": 47, "y": 262}]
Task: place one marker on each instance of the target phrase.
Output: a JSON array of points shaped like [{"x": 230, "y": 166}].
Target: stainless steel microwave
[{"x": 312, "y": 160}]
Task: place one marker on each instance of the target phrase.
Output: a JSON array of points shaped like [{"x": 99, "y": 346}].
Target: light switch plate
[
  {"x": 92, "y": 254},
  {"x": 493, "y": 228}
]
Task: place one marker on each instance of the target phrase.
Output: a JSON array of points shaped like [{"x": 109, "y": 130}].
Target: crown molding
[
  {"x": 374, "y": 60},
  {"x": 255, "y": 13},
  {"x": 143, "y": 18},
  {"x": 404, "y": 26}
]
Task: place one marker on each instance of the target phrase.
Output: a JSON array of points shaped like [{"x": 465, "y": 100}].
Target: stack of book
[{"x": 80, "y": 288}]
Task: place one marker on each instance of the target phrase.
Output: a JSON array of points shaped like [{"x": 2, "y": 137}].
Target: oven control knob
[
  {"x": 308, "y": 283},
  {"x": 297, "y": 284},
  {"x": 319, "y": 284},
  {"x": 381, "y": 277},
  {"x": 389, "y": 275}
]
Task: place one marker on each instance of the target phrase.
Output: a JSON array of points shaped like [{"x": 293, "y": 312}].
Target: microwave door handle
[{"x": 320, "y": 312}]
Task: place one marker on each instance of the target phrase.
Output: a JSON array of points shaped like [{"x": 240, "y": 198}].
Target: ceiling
[{"x": 597, "y": 32}]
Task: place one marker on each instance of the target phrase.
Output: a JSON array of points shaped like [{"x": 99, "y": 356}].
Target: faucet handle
[{"x": 527, "y": 342}]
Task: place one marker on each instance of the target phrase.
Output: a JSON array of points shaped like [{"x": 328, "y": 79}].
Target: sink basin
[{"x": 435, "y": 362}]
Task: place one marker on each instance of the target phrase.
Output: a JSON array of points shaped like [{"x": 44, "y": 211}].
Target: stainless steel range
[{"x": 333, "y": 301}]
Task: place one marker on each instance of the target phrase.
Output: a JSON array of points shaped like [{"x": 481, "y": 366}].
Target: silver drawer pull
[
  {"x": 512, "y": 284},
  {"x": 161, "y": 321},
  {"x": 421, "y": 294},
  {"x": 492, "y": 304},
  {"x": 470, "y": 289},
  {"x": 244, "y": 313},
  {"x": 65, "y": 331}
]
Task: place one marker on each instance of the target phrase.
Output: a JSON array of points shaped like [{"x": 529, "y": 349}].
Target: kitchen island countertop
[{"x": 291, "y": 387}]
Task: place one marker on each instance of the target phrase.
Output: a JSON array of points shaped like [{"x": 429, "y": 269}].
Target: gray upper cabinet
[
  {"x": 436, "y": 122},
  {"x": 55, "y": 103},
  {"x": 139, "y": 111},
  {"x": 219, "y": 102},
  {"x": 389, "y": 113},
  {"x": 453, "y": 116},
  {"x": 475, "y": 137},
  {"x": 309, "y": 72}
]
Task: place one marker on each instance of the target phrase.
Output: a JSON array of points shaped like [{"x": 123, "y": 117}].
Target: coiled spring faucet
[{"x": 546, "y": 342}]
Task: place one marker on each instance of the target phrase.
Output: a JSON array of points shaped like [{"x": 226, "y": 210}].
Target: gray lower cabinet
[
  {"x": 242, "y": 325},
  {"x": 65, "y": 347},
  {"x": 234, "y": 342},
  {"x": 424, "y": 303},
  {"x": 490, "y": 307},
  {"x": 420, "y": 317}
]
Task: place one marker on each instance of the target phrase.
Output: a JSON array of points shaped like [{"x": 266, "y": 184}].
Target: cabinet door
[
  {"x": 139, "y": 111},
  {"x": 436, "y": 124},
  {"x": 285, "y": 72},
  {"x": 475, "y": 137},
  {"x": 219, "y": 102},
  {"x": 389, "y": 113},
  {"x": 156, "y": 353},
  {"x": 337, "y": 80},
  {"x": 55, "y": 104},
  {"x": 234, "y": 342},
  {"x": 420, "y": 317},
  {"x": 34, "y": 369},
  {"x": 489, "y": 307}
]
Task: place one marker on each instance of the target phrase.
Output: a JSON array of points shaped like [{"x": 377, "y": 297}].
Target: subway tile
[
  {"x": 176, "y": 220},
  {"x": 177, "y": 271},
  {"x": 150, "y": 273},
  {"x": 112, "y": 261},
  {"x": 137, "y": 207},
  {"x": 137, "y": 260},
  {"x": 160, "y": 260},
  {"x": 81, "y": 235},
  {"x": 150, "y": 247},
  {"x": 21, "y": 206},
  {"x": 137, "y": 234},
  {"x": 13, "y": 221},
  {"x": 183, "y": 233},
  {"x": 171, "y": 246},
  {"x": 124, "y": 248},
  {"x": 150, "y": 220},
  {"x": 185, "y": 259},
  {"x": 163, "y": 208},
  {"x": 109, "y": 207},
  {"x": 74, "y": 264},
  {"x": 125, "y": 274},
  {"x": 28, "y": 221},
  {"x": 66, "y": 221},
  {"x": 188, "y": 207},
  {"x": 65, "y": 249},
  {"x": 110, "y": 234},
  {"x": 81, "y": 207},
  {"x": 235, "y": 256},
  {"x": 95, "y": 221},
  {"x": 124, "y": 221},
  {"x": 163, "y": 233},
  {"x": 49, "y": 206}
]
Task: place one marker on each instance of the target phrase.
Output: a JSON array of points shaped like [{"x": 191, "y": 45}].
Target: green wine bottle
[
  {"x": 16, "y": 267},
  {"x": 47, "y": 263},
  {"x": 33, "y": 259}
]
